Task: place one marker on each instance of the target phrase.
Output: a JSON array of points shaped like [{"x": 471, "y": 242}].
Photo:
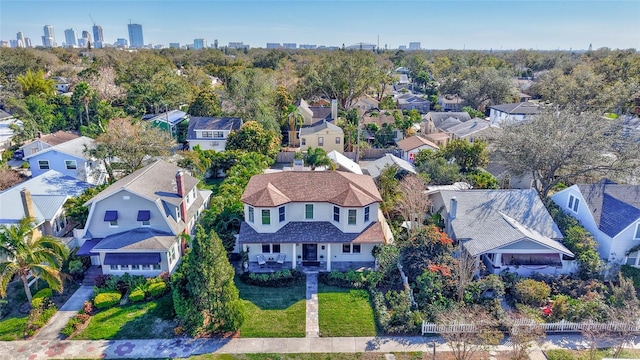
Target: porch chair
[
  {"x": 281, "y": 258},
  {"x": 261, "y": 260}
]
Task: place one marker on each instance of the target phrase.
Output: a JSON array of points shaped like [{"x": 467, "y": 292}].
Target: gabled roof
[
  {"x": 448, "y": 123},
  {"x": 5, "y": 115},
  {"x": 313, "y": 232},
  {"x": 174, "y": 117},
  {"x": 470, "y": 127},
  {"x": 319, "y": 127},
  {"x": 74, "y": 147},
  {"x": 375, "y": 167},
  {"x": 522, "y": 108},
  {"x": 344, "y": 162},
  {"x": 438, "y": 117},
  {"x": 48, "y": 191},
  {"x": 614, "y": 207},
  {"x": 212, "y": 123},
  {"x": 489, "y": 219},
  {"x": 156, "y": 181},
  {"x": 56, "y": 138},
  {"x": 411, "y": 99},
  {"x": 415, "y": 142},
  {"x": 337, "y": 187},
  {"x": 137, "y": 239}
]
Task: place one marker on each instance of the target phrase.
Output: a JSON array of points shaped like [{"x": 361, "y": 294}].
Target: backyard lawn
[
  {"x": 344, "y": 312},
  {"x": 273, "y": 312},
  {"x": 147, "y": 320}
]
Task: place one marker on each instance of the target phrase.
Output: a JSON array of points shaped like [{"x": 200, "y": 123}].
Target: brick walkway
[{"x": 312, "y": 327}]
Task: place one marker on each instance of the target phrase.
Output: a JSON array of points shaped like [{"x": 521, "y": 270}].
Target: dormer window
[{"x": 574, "y": 202}]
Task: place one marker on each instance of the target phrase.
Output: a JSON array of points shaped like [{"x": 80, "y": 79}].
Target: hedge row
[
  {"x": 106, "y": 300},
  {"x": 283, "y": 278},
  {"x": 351, "y": 279}
]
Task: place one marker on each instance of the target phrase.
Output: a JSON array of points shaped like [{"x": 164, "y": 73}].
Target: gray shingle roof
[
  {"x": 438, "y": 117},
  {"x": 212, "y": 123},
  {"x": 490, "y": 219},
  {"x": 523, "y": 108},
  {"x": 375, "y": 167},
  {"x": 312, "y": 232},
  {"x": 137, "y": 239},
  {"x": 614, "y": 207},
  {"x": 74, "y": 147},
  {"x": 319, "y": 127}
]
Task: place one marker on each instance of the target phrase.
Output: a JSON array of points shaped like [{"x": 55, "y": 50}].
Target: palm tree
[
  {"x": 29, "y": 252},
  {"x": 295, "y": 122},
  {"x": 317, "y": 157}
]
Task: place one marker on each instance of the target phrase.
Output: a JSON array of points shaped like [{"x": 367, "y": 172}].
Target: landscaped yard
[
  {"x": 584, "y": 354},
  {"x": 273, "y": 312},
  {"x": 317, "y": 356},
  {"x": 345, "y": 312},
  {"x": 147, "y": 320}
]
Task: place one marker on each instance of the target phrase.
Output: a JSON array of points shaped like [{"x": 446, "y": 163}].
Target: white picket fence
[{"x": 558, "y": 327}]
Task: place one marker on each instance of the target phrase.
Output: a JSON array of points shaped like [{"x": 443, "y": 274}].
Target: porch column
[
  {"x": 328, "y": 257},
  {"x": 294, "y": 257},
  {"x": 498, "y": 260}
]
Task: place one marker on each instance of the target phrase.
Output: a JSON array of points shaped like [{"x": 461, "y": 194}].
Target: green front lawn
[
  {"x": 273, "y": 312},
  {"x": 12, "y": 328},
  {"x": 312, "y": 356},
  {"x": 563, "y": 354},
  {"x": 147, "y": 320},
  {"x": 344, "y": 312}
]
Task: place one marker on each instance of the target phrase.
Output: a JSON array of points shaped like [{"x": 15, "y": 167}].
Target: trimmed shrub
[
  {"x": 283, "y": 278},
  {"x": 157, "y": 289},
  {"x": 531, "y": 292},
  {"x": 351, "y": 279},
  {"x": 107, "y": 300},
  {"x": 136, "y": 295}
]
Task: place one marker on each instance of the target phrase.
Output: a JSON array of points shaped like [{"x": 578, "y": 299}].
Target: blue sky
[{"x": 477, "y": 24}]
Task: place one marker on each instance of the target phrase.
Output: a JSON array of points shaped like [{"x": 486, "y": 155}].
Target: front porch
[{"x": 270, "y": 267}]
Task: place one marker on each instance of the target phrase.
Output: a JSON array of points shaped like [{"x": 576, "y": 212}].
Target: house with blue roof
[
  {"x": 211, "y": 133},
  {"x": 611, "y": 213},
  {"x": 41, "y": 198}
]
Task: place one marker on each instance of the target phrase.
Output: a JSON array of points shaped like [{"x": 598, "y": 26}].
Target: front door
[{"x": 309, "y": 252}]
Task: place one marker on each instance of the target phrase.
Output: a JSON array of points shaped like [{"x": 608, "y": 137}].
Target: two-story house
[
  {"x": 69, "y": 158},
  {"x": 512, "y": 113},
  {"x": 211, "y": 133},
  {"x": 413, "y": 102},
  {"x": 324, "y": 135},
  {"x": 329, "y": 219},
  {"x": 438, "y": 121},
  {"x": 411, "y": 146},
  {"x": 450, "y": 102},
  {"x": 611, "y": 213},
  {"x": 135, "y": 225},
  {"x": 42, "y": 142}
]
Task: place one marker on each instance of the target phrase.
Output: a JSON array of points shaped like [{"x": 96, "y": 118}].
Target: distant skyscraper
[
  {"x": 174, "y": 45},
  {"x": 414, "y": 46},
  {"x": 122, "y": 43},
  {"x": 85, "y": 40},
  {"x": 273, "y": 46},
  {"x": 21, "y": 41},
  {"x": 136, "y": 39},
  {"x": 199, "y": 44},
  {"x": 289, "y": 45},
  {"x": 97, "y": 36},
  {"x": 86, "y": 35},
  {"x": 13, "y": 43},
  {"x": 27, "y": 42},
  {"x": 49, "y": 39},
  {"x": 70, "y": 38},
  {"x": 307, "y": 46},
  {"x": 215, "y": 43}
]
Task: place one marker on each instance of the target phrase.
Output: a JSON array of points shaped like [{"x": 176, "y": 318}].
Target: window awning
[
  {"x": 111, "y": 215},
  {"x": 144, "y": 215},
  {"x": 132, "y": 259},
  {"x": 85, "y": 249}
]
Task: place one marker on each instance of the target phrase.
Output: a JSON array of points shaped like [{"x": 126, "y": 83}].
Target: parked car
[{"x": 18, "y": 154}]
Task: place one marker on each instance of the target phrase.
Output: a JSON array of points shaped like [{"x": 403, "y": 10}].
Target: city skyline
[{"x": 484, "y": 25}]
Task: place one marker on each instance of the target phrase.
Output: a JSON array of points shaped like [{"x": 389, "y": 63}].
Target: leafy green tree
[
  {"x": 389, "y": 187},
  {"x": 82, "y": 95},
  {"x": 36, "y": 84},
  {"x": 74, "y": 207},
  {"x": 28, "y": 252},
  {"x": 473, "y": 112},
  {"x": 252, "y": 92},
  {"x": 205, "y": 297},
  {"x": 206, "y": 103},
  {"x": 131, "y": 143},
  {"x": 481, "y": 179},
  {"x": 253, "y": 137},
  {"x": 388, "y": 103},
  {"x": 316, "y": 157},
  {"x": 36, "y": 113},
  {"x": 440, "y": 172},
  {"x": 469, "y": 156}
]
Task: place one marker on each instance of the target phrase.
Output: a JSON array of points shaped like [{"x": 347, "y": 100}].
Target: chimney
[
  {"x": 334, "y": 109},
  {"x": 27, "y": 203},
  {"x": 180, "y": 183},
  {"x": 454, "y": 208}
]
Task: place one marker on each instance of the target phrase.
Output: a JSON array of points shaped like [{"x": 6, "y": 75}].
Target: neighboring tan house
[
  {"x": 135, "y": 225},
  {"x": 412, "y": 145},
  {"x": 366, "y": 103},
  {"x": 167, "y": 121},
  {"x": 413, "y": 102},
  {"x": 434, "y": 120},
  {"x": 315, "y": 114},
  {"x": 42, "y": 142},
  {"x": 611, "y": 213},
  {"x": 439, "y": 138},
  {"x": 375, "y": 168},
  {"x": 324, "y": 135},
  {"x": 450, "y": 102},
  {"x": 329, "y": 219},
  {"x": 69, "y": 158},
  {"x": 512, "y": 113},
  {"x": 506, "y": 230},
  {"x": 473, "y": 129},
  {"x": 41, "y": 198},
  {"x": 211, "y": 133}
]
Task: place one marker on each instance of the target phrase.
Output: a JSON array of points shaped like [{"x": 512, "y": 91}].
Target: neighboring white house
[
  {"x": 343, "y": 163},
  {"x": 506, "y": 230},
  {"x": 512, "y": 113},
  {"x": 434, "y": 121},
  {"x": 473, "y": 129},
  {"x": 41, "y": 198},
  {"x": 317, "y": 218},
  {"x": 375, "y": 168},
  {"x": 412, "y": 145},
  {"x": 611, "y": 213},
  {"x": 135, "y": 225},
  {"x": 211, "y": 133},
  {"x": 69, "y": 158}
]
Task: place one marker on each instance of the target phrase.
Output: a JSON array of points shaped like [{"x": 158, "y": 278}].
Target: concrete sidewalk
[{"x": 51, "y": 330}]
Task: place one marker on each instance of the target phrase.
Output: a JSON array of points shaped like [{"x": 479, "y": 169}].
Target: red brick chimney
[
  {"x": 182, "y": 194},
  {"x": 27, "y": 204}
]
